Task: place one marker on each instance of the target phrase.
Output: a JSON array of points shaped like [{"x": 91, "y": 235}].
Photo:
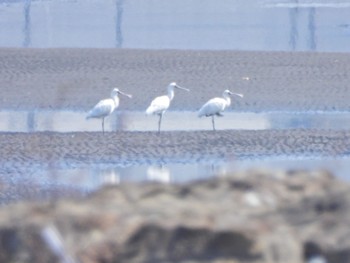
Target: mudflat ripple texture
[
  {"x": 77, "y": 78},
  {"x": 142, "y": 147}
]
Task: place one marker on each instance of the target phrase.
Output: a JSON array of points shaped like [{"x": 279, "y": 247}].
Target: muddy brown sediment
[{"x": 78, "y": 78}]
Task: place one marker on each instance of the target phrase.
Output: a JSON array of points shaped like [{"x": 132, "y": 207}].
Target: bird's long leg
[
  {"x": 212, "y": 120},
  {"x": 159, "y": 122},
  {"x": 103, "y": 125}
]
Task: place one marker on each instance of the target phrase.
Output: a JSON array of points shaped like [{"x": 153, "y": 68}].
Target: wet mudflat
[
  {"x": 294, "y": 116},
  {"x": 50, "y": 164},
  {"x": 77, "y": 78},
  {"x": 142, "y": 147},
  {"x": 48, "y": 155}
]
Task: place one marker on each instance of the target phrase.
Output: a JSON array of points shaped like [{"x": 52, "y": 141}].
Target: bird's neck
[
  {"x": 115, "y": 99},
  {"x": 228, "y": 99},
  {"x": 171, "y": 94}
]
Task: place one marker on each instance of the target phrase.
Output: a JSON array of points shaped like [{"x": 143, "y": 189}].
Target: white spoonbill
[
  {"x": 160, "y": 104},
  {"x": 105, "y": 107},
  {"x": 216, "y": 106}
]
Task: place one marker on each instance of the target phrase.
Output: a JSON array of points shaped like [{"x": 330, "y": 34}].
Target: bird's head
[
  {"x": 173, "y": 85},
  {"x": 227, "y": 93},
  {"x": 115, "y": 92}
]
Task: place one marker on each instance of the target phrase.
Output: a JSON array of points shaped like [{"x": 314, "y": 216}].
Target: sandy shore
[{"x": 78, "y": 78}]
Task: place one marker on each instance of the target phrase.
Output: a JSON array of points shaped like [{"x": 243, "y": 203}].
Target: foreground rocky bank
[{"x": 256, "y": 216}]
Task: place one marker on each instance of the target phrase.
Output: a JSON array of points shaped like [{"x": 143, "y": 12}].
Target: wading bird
[
  {"x": 160, "y": 104},
  {"x": 216, "y": 106},
  {"x": 105, "y": 107}
]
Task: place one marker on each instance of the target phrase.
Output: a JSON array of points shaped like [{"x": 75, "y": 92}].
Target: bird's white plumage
[
  {"x": 159, "y": 105},
  {"x": 213, "y": 107},
  {"x": 103, "y": 108},
  {"x": 217, "y": 105}
]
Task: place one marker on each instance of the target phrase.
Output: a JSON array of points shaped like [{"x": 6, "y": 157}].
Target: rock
[{"x": 255, "y": 216}]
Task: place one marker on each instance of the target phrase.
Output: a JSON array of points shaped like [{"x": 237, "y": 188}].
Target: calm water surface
[
  {"x": 42, "y": 181},
  {"x": 74, "y": 121},
  {"x": 182, "y": 24}
]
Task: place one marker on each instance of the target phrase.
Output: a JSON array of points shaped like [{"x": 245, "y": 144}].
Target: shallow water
[
  {"x": 40, "y": 182},
  {"x": 74, "y": 121},
  {"x": 182, "y": 24}
]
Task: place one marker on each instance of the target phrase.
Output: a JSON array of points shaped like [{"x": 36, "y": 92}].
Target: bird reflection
[
  {"x": 293, "y": 36},
  {"x": 295, "y": 17},
  {"x": 158, "y": 173},
  {"x": 118, "y": 23},
  {"x": 217, "y": 169},
  {"x": 31, "y": 121},
  {"x": 312, "y": 29},
  {"x": 26, "y": 26},
  {"x": 110, "y": 177}
]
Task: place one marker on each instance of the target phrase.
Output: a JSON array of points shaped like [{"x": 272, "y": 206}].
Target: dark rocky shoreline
[{"x": 256, "y": 216}]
